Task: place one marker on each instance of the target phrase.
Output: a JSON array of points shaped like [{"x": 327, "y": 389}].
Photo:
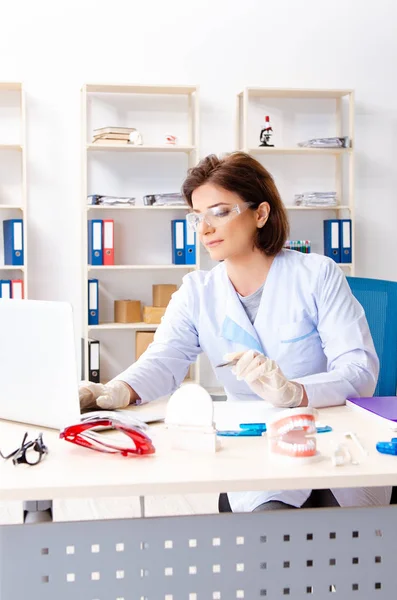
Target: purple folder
[{"x": 383, "y": 406}]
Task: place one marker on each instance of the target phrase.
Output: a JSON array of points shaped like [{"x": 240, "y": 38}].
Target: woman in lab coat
[{"x": 290, "y": 318}]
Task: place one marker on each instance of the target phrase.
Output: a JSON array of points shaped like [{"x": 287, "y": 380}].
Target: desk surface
[{"x": 71, "y": 471}]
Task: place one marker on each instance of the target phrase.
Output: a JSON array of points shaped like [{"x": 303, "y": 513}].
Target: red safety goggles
[{"x": 84, "y": 434}]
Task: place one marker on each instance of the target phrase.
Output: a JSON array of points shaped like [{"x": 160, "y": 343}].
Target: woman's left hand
[{"x": 266, "y": 379}]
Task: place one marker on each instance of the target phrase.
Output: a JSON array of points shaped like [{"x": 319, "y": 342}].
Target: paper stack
[
  {"x": 316, "y": 199},
  {"x": 328, "y": 142},
  {"x": 172, "y": 199}
]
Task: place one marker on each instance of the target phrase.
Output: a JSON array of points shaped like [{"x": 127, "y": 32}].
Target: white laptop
[{"x": 38, "y": 368}]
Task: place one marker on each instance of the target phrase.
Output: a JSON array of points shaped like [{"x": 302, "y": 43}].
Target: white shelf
[
  {"x": 137, "y": 267},
  {"x": 12, "y": 86},
  {"x": 130, "y": 148},
  {"x": 110, "y": 88},
  {"x": 341, "y": 159},
  {"x": 122, "y": 207},
  {"x": 299, "y": 150},
  {"x": 137, "y": 326},
  {"x": 11, "y": 268},
  {"x": 18, "y": 147},
  {"x": 337, "y": 207},
  {"x": 154, "y": 150},
  {"x": 295, "y": 93},
  {"x": 20, "y": 104}
]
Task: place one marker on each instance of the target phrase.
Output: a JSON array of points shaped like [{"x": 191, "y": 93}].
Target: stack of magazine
[
  {"x": 328, "y": 142},
  {"x": 97, "y": 199},
  {"x": 316, "y": 199},
  {"x": 174, "y": 199}
]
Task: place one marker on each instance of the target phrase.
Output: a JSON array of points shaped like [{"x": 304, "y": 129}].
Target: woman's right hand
[{"x": 108, "y": 396}]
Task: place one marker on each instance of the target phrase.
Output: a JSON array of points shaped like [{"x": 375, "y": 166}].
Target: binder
[
  {"x": 345, "y": 236},
  {"x": 93, "y": 360},
  {"x": 95, "y": 252},
  {"x": 384, "y": 407},
  {"x": 332, "y": 239},
  {"x": 108, "y": 242},
  {"x": 5, "y": 289},
  {"x": 178, "y": 241},
  {"x": 190, "y": 245},
  {"x": 13, "y": 241},
  {"x": 17, "y": 291},
  {"x": 93, "y": 302}
]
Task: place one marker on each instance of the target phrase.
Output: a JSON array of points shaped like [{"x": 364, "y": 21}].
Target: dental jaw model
[
  {"x": 291, "y": 435},
  {"x": 190, "y": 419}
]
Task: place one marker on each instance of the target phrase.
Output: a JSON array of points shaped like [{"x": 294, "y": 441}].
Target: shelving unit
[
  {"x": 297, "y": 115},
  {"x": 13, "y": 178},
  {"x": 142, "y": 233}
]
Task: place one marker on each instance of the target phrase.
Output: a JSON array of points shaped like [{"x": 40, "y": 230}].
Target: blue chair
[{"x": 379, "y": 301}]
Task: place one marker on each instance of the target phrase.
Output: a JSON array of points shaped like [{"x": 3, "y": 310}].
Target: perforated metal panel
[{"x": 329, "y": 553}]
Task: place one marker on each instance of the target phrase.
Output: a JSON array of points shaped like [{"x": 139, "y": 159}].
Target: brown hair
[{"x": 240, "y": 173}]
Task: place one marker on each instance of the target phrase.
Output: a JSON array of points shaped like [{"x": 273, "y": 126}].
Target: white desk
[{"x": 243, "y": 547}]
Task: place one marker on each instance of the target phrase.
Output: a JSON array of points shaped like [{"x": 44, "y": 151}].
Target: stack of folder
[
  {"x": 101, "y": 242},
  {"x": 183, "y": 243},
  {"x": 338, "y": 240}
]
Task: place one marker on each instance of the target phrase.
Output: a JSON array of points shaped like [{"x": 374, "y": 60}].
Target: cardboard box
[
  {"x": 142, "y": 341},
  {"x": 162, "y": 293},
  {"x": 153, "y": 314},
  {"x": 127, "y": 311}
]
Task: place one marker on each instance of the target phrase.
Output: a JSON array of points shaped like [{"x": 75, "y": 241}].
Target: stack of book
[{"x": 112, "y": 135}]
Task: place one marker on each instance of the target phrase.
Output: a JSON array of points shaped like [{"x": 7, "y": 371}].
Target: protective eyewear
[
  {"x": 216, "y": 216},
  {"x": 85, "y": 434},
  {"x": 29, "y": 452}
]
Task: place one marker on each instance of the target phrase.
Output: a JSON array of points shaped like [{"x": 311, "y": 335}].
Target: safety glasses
[
  {"x": 85, "y": 434},
  {"x": 215, "y": 216},
  {"x": 29, "y": 452}
]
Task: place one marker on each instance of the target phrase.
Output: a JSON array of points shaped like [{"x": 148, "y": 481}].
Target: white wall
[{"x": 223, "y": 45}]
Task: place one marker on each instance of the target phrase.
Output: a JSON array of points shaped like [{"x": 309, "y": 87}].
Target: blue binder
[
  {"x": 95, "y": 243},
  {"x": 13, "y": 242},
  {"x": 93, "y": 302},
  {"x": 345, "y": 236},
  {"x": 5, "y": 289},
  {"x": 190, "y": 245},
  {"x": 332, "y": 239},
  {"x": 178, "y": 241}
]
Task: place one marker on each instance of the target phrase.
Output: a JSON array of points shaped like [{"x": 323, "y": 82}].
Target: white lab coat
[{"x": 308, "y": 321}]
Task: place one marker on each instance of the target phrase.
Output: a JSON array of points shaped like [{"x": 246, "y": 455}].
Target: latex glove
[
  {"x": 266, "y": 379},
  {"x": 109, "y": 396}
]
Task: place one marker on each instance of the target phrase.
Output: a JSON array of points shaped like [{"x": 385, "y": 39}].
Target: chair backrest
[{"x": 379, "y": 300}]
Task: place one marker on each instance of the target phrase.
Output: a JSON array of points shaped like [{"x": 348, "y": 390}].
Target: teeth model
[{"x": 292, "y": 433}]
